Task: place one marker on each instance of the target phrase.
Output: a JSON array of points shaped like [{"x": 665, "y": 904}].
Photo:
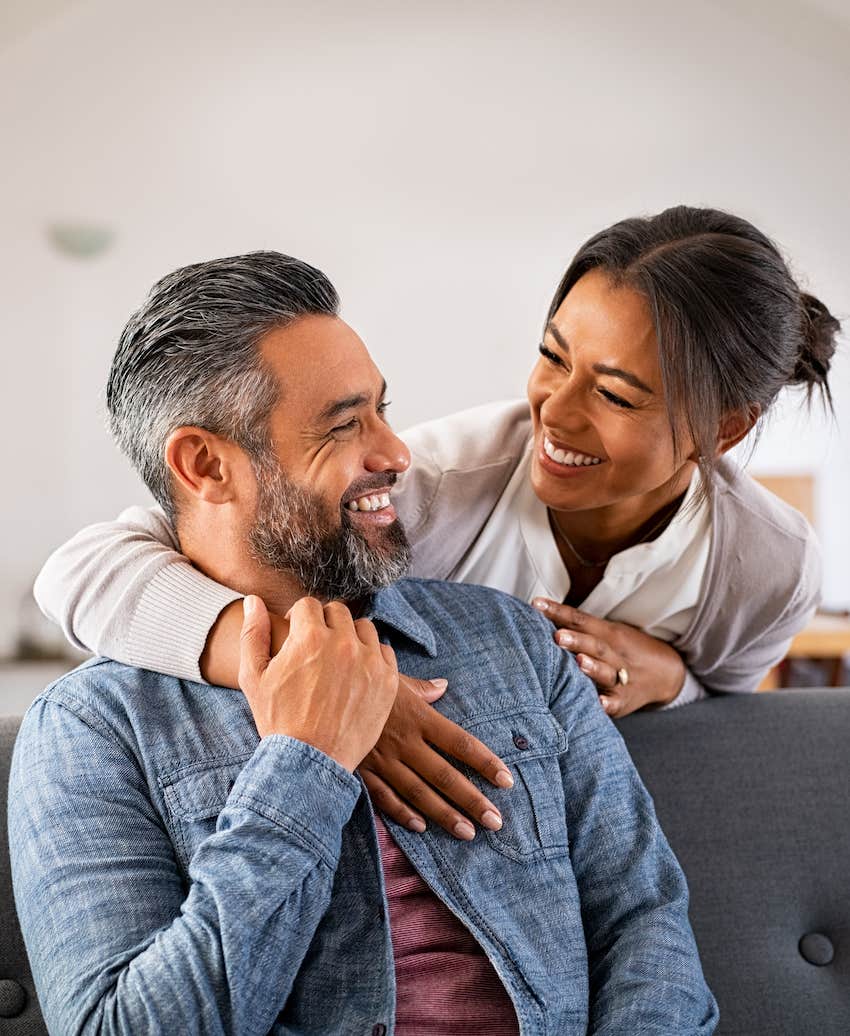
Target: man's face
[{"x": 323, "y": 509}]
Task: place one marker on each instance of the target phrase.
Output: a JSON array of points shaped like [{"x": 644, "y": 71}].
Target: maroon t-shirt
[{"x": 445, "y": 983}]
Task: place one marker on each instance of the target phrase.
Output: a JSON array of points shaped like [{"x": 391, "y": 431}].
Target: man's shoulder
[
  {"x": 472, "y": 609},
  {"x": 105, "y": 695}
]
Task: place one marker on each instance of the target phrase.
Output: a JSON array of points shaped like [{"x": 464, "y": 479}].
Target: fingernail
[
  {"x": 586, "y": 665},
  {"x": 606, "y": 704},
  {"x": 440, "y": 683},
  {"x": 540, "y": 604},
  {"x": 492, "y": 821},
  {"x": 417, "y": 825},
  {"x": 565, "y": 638},
  {"x": 464, "y": 830},
  {"x": 249, "y": 606},
  {"x": 503, "y": 779}
]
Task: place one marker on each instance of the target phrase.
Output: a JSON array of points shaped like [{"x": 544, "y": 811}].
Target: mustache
[{"x": 368, "y": 483}]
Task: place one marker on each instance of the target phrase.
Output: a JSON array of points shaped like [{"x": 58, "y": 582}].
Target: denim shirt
[{"x": 175, "y": 874}]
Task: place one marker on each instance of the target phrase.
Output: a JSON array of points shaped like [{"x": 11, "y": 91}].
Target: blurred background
[{"x": 440, "y": 162}]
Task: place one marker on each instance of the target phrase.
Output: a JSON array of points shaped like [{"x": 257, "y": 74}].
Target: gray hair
[{"x": 189, "y": 356}]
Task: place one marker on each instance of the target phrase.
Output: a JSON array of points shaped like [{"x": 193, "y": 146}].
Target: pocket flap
[
  {"x": 200, "y": 791},
  {"x": 520, "y": 734}
]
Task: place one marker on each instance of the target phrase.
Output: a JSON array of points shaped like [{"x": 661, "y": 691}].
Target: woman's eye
[
  {"x": 549, "y": 355},
  {"x": 382, "y": 408},
  {"x": 616, "y": 400}
]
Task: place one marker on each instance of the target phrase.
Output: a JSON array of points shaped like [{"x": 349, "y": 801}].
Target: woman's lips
[{"x": 563, "y": 470}]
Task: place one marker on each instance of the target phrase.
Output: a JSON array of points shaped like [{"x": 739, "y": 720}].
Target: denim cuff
[{"x": 300, "y": 789}]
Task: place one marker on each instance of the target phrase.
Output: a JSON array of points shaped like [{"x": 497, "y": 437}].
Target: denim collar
[{"x": 391, "y": 607}]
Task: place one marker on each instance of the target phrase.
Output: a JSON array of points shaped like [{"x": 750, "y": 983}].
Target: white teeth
[
  {"x": 369, "y": 503},
  {"x": 570, "y": 458}
]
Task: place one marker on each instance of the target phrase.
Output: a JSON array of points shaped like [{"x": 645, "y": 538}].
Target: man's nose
[{"x": 386, "y": 452}]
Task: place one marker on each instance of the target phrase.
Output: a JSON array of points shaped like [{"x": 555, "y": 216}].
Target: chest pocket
[
  {"x": 533, "y": 811},
  {"x": 194, "y": 796}
]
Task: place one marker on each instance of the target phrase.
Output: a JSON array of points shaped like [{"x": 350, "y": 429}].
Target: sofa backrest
[
  {"x": 19, "y": 1011},
  {"x": 753, "y": 792}
]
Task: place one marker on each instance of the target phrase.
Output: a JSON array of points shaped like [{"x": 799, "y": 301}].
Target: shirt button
[
  {"x": 521, "y": 741},
  {"x": 379, "y": 1030}
]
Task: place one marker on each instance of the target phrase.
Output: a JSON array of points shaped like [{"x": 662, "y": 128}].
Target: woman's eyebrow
[{"x": 602, "y": 368}]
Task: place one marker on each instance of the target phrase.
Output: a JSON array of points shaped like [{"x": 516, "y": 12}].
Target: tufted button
[
  {"x": 817, "y": 949},
  {"x": 13, "y": 998},
  {"x": 521, "y": 741},
  {"x": 379, "y": 1030}
]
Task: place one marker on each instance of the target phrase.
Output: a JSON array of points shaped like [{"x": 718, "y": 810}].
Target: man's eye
[
  {"x": 347, "y": 427},
  {"x": 616, "y": 400},
  {"x": 382, "y": 407}
]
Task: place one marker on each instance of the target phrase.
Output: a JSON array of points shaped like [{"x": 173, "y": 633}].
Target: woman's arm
[{"x": 122, "y": 589}]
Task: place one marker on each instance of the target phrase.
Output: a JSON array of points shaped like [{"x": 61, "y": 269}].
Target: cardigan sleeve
[{"x": 123, "y": 589}]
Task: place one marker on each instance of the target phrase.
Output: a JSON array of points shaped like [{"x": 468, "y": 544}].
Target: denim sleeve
[
  {"x": 645, "y": 972},
  {"x": 117, "y": 942}
]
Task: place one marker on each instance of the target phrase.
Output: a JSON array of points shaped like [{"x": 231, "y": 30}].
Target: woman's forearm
[{"x": 219, "y": 661}]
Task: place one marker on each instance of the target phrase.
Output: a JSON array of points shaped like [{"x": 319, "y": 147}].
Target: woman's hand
[
  {"x": 407, "y": 778},
  {"x": 654, "y": 670}
]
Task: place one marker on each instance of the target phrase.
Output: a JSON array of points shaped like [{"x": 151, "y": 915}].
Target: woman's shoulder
[
  {"x": 767, "y": 537},
  {"x": 480, "y": 437},
  {"x": 747, "y": 504}
]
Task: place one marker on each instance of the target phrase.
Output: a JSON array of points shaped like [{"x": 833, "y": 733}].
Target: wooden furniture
[{"x": 825, "y": 639}]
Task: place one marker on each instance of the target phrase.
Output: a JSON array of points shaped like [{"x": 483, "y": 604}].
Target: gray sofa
[{"x": 754, "y": 794}]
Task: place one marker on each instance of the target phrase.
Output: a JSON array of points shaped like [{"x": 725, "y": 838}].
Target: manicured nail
[
  {"x": 540, "y": 604},
  {"x": 503, "y": 779},
  {"x": 439, "y": 683},
  {"x": 249, "y": 606},
  {"x": 492, "y": 821},
  {"x": 417, "y": 825},
  {"x": 463, "y": 829},
  {"x": 565, "y": 638}
]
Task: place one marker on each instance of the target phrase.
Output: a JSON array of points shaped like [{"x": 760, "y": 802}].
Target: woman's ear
[
  {"x": 734, "y": 426},
  {"x": 202, "y": 464}
]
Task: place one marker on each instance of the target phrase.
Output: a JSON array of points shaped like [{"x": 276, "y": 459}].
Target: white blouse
[{"x": 655, "y": 586}]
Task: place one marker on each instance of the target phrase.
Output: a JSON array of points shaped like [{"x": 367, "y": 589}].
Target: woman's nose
[{"x": 561, "y": 408}]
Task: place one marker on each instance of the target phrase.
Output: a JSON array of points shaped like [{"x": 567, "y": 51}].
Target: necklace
[{"x": 586, "y": 562}]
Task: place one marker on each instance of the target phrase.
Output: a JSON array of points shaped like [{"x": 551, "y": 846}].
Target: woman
[{"x": 666, "y": 342}]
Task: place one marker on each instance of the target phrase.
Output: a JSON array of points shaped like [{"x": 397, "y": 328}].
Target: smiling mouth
[
  {"x": 369, "y": 502},
  {"x": 568, "y": 458}
]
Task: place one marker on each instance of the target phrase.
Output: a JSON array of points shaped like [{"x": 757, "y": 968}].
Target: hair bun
[{"x": 819, "y": 333}]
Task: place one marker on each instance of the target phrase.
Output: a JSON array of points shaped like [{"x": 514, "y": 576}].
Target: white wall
[{"x": 441, "y": 162}]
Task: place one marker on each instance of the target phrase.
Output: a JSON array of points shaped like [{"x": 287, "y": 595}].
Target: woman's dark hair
[{"x": 733, "y": 327}]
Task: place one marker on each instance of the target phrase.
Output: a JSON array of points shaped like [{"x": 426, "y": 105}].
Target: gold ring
[{"x": 623, "y": 676}]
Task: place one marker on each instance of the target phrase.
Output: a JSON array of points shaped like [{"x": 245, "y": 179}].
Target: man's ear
[
  {"x": 734, "y": 426},
  {"x": 203, "y": 464}
]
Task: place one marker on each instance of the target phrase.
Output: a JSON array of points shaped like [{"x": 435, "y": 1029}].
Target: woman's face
[{"x": 602, "y": 434}]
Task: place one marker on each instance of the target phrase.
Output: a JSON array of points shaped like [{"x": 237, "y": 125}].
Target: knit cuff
[{"x": 170, "y": 626}]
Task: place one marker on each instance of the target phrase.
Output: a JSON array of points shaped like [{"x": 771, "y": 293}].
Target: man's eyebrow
[
  {"x": 601, "y": 368},
  {"x": 352, "y": 402}
]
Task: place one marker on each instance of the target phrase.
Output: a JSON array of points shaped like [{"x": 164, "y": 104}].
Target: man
[{"x": 189, "y": 860}]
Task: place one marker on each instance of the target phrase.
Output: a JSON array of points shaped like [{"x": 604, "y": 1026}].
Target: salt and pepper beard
[{"x": 296, "y": 532}]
